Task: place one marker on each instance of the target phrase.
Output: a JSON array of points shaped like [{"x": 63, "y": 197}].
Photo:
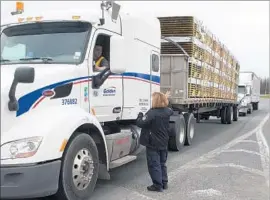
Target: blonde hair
[{"x": 159, "y": 100}]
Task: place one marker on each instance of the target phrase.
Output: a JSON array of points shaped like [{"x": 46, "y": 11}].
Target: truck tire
[
  {"x": 198, "y": 118},
  {"x": 79, "y": 170},
  {"x": 206, "y": 117},
  {"x": 223, "y": 115},
  {"x": 235, "y": 113},
  {"x": 229, "y": 115},
  {"x": 250, "y": 110},
  {"x": 190, "y": 128},
  {"x": 255, "y": 106},
  {"x": 178, "y": 127}
]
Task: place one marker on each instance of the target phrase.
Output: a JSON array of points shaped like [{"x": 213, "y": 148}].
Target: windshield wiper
[{"x": 45, "y": 59}]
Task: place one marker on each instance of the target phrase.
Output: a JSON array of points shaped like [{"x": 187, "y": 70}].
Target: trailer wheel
[
  {"x": 198, "y": 118},
  {"x": 235, "y": 113},
  {"x": 229, "y": 115},
  {"x": 223, "y": 115},
  {"x": 79, "y": 171},
  {"x": 250, "y": 110},
  {"x": 178, "y": 127},
  {"x": 206, "y": 117},
  {"x": 255, "y": 106},
  {"x": 190, "y": 130}
]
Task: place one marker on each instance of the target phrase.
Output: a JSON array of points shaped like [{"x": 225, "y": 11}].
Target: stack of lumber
[{"x": 213, "y": 71}]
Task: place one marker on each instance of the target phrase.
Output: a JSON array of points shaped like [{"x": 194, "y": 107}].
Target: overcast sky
[{"x": 242, "y": 26}]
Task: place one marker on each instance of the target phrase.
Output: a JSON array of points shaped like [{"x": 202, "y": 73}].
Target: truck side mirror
[
  {"x": 117, "y": 54},
  {"x": 24, "y": 75},
  {"x": 115, "y": 10},
  {"x": 21, "y": 75}
]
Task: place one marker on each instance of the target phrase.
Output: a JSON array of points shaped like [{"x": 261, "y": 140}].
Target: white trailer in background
[{"x": 248, "y": 92}]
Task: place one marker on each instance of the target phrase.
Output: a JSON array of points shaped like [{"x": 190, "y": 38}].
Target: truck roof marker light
[
  {"x": 29, "y": 19},
  {"x": 93, "y": 111},
  {"x": 20, "y": 20},
  {"x": 63, "y": 145},
  {"x": 38, "y": 18},
  {"x": 76, "y": 17}
]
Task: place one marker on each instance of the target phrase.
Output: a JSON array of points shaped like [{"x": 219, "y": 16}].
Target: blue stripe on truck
[{"x": 27, "y": 101}]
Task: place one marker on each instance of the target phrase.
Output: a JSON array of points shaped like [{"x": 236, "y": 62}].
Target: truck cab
[
  {"x": 61, "y": 118},
  {"x": 248, "y": 92},
  {"x": 244, "y": 99}
]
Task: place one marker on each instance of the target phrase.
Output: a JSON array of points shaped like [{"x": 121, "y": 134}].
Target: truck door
[
  {"x": 155, "y": 73},
  {"x": 105, "y": 102}
]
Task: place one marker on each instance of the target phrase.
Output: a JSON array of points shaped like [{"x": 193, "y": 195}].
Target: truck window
[
  {"x": 101, "y": 53},
  {"x": 242, "y": 89},
  {"x": 14, "y": 52},
  {"x": 63, "y": 42},
  {"x": 155, "y": 63}
]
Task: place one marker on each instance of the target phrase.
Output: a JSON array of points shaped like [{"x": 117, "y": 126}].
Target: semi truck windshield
[
  {"x": 46, "y": 42},
  {"x": 241, "y": 89}
]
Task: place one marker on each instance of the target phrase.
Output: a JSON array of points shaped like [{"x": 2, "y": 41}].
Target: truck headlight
[
  {"x": 23, "y": 148},
  {"x": 244, "y": 103}
]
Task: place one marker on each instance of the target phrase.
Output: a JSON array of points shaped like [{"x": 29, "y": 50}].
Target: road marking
[
  {"x": 248, "y": 141},
  {"x": 208, "y": 156},
  {"x": 230, "y": 165},
  {"x": 133, "y": 195},
  {"x": 207, "y": 192},
  {"x": 136, "y": 195},
  {"x": 242, "y": 151},
  {"x": 264, "y": 150}
]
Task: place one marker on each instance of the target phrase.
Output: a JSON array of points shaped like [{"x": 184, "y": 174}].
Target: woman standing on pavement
[{"x": 155, "y": 136}]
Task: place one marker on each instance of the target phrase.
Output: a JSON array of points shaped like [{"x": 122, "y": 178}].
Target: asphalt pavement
[{"x": 225, "y": 162}]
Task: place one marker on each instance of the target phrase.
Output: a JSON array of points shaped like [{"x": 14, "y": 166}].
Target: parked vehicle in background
[{"x": 248, "y": 92}]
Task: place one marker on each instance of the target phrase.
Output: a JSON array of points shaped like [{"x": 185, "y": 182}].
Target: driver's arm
[{"x": 103, "y": 65}]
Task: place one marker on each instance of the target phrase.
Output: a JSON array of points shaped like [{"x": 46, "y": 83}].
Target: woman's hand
[
  {"x": 168, "y": 94},
  {"x": 140, "y": 114}
]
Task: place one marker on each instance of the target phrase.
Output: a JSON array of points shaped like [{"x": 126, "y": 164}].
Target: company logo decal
[{"x": 110, "y": 91}]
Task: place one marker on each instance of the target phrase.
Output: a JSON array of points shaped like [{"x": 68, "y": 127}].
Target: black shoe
[
  {"x": 154, "y": 189},
  {"x": 165, "y": 186}
]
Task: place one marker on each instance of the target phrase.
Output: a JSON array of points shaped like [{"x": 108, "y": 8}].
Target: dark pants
[{"x": 156, "y": 161}]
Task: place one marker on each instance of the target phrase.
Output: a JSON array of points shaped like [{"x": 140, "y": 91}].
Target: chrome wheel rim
[{"x": 83, "y": 168}]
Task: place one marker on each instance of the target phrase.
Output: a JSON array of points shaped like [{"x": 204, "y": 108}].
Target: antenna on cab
[{"x": 107, "y": 5}]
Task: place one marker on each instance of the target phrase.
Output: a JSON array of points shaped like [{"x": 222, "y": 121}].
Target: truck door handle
[{"x": 117, "y": 110}]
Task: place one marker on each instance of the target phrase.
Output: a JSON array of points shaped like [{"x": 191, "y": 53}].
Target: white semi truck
[
  {"x": 248, "y": 92},
  {"x": 64, "y": 125}
]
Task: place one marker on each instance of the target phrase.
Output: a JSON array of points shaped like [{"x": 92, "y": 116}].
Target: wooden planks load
[
  {"x": 217, "y": 74},
  {"x": 177, "y": 26}
]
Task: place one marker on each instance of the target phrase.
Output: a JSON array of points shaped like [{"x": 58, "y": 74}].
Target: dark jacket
[{"x": 155, "y": 128}]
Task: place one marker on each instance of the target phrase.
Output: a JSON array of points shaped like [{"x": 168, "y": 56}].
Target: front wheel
[{"x": 79, "y": 171}]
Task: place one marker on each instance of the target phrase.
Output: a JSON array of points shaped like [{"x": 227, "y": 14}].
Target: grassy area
[{"x": 265, "y": 96}]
